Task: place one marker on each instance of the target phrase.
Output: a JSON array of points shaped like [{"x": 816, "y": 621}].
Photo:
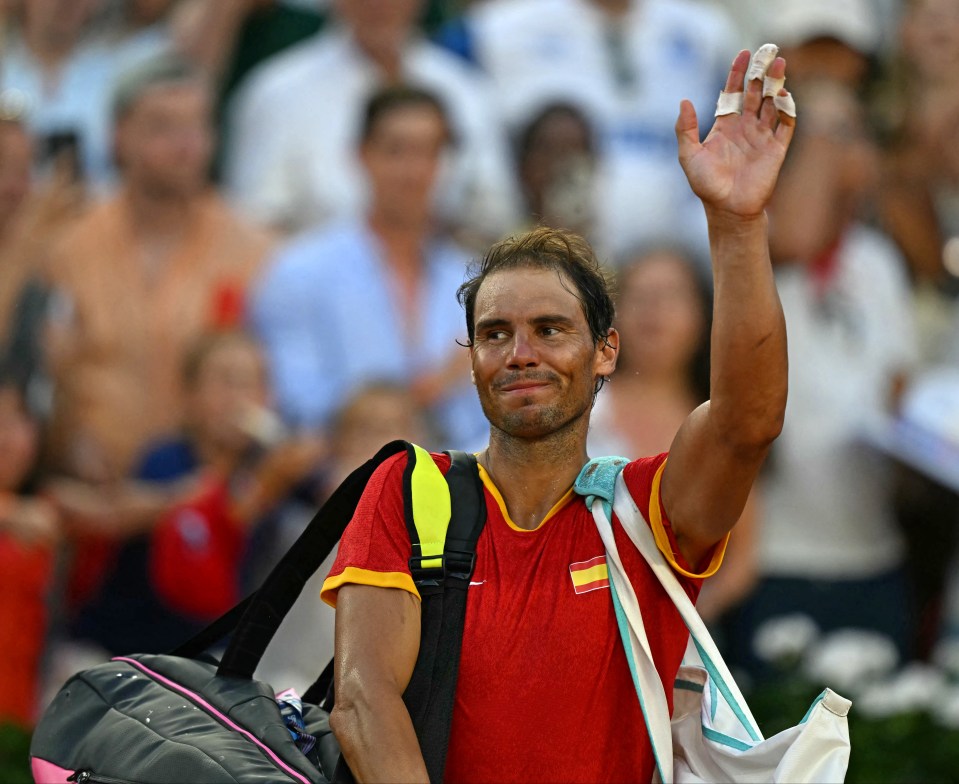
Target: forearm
[
  {"x": 377, "y": 738},
  {"x": 748, "y": 378}
]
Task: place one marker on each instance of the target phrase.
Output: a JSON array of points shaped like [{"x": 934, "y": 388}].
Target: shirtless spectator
[
  {"x": 291, "y": 160},
  {"x": 141, "y": 275}
]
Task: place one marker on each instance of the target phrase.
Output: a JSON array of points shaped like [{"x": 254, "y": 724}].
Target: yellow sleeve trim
[
  {"x": 662, "y": 538},
  {"x": 355, "y": 576}
]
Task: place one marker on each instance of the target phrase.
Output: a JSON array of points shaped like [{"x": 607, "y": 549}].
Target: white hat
[{"x": 853, "y": 22}]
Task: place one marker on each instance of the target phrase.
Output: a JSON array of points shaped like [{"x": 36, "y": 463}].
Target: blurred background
[{"x": 231, "y": 232}]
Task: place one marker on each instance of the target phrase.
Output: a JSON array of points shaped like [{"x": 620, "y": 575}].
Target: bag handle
[
  {"x": 641, "y": 535},
  {"x": 265, "y": 610},
  {"x": 639, "y": 656}
]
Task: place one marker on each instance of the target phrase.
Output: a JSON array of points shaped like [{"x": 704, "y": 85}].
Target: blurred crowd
[{"x": 231, "y": 233}]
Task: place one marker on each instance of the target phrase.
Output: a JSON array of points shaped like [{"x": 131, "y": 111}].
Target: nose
[{"x": 523, "y": 354}]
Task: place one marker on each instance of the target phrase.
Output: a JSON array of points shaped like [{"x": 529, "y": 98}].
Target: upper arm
[
  {"x": 705, "y": 485},
  {"x": 377, "y": 642}
]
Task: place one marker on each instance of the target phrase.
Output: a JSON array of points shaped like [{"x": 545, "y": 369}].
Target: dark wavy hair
[{"x": 552, "y": 249}]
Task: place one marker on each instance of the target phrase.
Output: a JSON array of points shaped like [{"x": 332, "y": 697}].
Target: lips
[{"x": 515, "y": 383}]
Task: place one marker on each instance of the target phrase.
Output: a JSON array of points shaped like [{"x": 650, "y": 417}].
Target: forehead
[
  {"x": 522, "y": 293},
  {"x": 173, "y": 97}
]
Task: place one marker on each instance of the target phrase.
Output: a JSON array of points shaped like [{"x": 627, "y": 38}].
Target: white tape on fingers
[
  {"x": 729, "y": 103},
  {"x": 785, "y": 104},
  {"x": 761, "y": 61},
  {"x": 771, "y": 87}
]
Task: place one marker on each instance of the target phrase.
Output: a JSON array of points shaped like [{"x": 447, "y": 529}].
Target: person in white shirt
[{"x": 291, "y": 161}]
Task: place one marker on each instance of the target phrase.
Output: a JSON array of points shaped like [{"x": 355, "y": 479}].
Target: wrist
[{"x": 735, "y": 223}]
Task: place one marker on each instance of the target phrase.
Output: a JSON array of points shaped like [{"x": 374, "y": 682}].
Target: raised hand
[{"x": 734, "y": 170}]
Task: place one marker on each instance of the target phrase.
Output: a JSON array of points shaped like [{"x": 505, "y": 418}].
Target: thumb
[{"x": 687, "y": 130}]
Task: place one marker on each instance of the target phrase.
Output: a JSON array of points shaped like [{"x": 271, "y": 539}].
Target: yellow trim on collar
[{"x": 494, "y": 491}]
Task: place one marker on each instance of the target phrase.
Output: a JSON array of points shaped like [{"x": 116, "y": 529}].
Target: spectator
[
  {"x": 228, "y": 38},
  {"x": 29, "y": 528},
  {"x": 627, "y": 64},
  {"x": 29, "y": 217},
  {"x": 917, "y": 201},
  {"x": 664, "y": 314},
  {"x": 151, "y": 601},
  {"x": 65, "y": 73},
  {"x": 375, "y": 415},
  {"x": 830, "y": 545},
  {"x": 140, "y": 276},
  {"x": 556, "y": 160},
  {"x": 291, "y": 160},
  {"x": 372, "y": 299},
  {"x": 826, "y": 39}
]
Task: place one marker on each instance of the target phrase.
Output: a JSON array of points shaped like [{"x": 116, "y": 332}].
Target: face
[
  {"x": 15, "y": 157},
  {"x": 826, "y": 58},
  {"x": 165, "y": 141},
  {"x": 231, "y": 382},
  {"x": 372, "y": 418},
  {"x": 19, "y": 440},
  {"x": 402, "y": 157},
  {"x": 558, "y": 149},
  {"x": 534, "y": 359},
  {"x": 59, "y": 22},
  {"x": 930, "y": 38},
  {"x": 659, "y": 314}
]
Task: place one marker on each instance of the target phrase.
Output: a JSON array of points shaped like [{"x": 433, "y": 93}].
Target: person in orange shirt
[{"x": 141, "y": 275}]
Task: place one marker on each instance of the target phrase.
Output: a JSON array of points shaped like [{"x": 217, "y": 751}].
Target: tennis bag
[{"x": 185, "y": 717}]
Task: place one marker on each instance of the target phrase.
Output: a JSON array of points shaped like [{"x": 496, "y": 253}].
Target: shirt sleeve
[
  {"x": 643, "y": 479},
  {"x": 375, "y": 548}
]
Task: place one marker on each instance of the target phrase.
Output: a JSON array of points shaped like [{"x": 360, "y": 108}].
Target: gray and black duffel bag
[{"x": 184, "y": 718}]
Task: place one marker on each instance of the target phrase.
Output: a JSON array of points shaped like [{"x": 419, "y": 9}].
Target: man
[
  {"x": 544, "y": 691},
  {"x": 290, "y": 161},
  {"x": 373, "y": 299},
  {"x": 142, "y": 274}
]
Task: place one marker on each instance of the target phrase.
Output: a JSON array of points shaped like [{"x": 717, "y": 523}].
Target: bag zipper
[
  {"x": 89, "y": 777},
  {"x": 198, "y": 700}
]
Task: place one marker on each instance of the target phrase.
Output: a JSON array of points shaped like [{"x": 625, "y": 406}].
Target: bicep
[{"x": 377, "y": 639}]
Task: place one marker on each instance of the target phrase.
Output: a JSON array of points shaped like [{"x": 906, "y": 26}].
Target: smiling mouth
[{"x": 522, "y": 387}]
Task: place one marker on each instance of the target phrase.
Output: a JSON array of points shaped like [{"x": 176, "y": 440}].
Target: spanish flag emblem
[{"x": 589, "y": 575}]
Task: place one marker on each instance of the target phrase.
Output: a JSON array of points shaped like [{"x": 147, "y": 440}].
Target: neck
[
  {"x": 533, "y": 474},
  {"x": 399, "y": 232},
  {"x": 613, "y": 8},
  {"x": 48, "y": 50},
  {"x": 157, "y": 214},
  {"x": 387, "y": 55}
]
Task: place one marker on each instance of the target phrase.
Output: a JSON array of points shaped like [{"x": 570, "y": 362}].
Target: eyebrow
[{"x": 546, "y": 318}]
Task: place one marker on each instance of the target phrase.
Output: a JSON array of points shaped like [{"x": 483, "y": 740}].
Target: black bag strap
[
  {"x": 431, "y": 692},
  {"x": 256, "y": 619}
]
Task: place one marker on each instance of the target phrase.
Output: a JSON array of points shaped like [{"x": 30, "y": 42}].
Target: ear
[{"x": 607, "y": 352}]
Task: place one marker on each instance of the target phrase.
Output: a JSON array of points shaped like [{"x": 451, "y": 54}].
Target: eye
[{"x": 549, "y": 331}]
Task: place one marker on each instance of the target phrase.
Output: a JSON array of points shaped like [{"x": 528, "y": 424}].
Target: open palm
[{"x": 735, "y": 168}]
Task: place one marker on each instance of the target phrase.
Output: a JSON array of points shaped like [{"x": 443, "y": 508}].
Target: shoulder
[
  {"x": 78, "y": 243},
  {"x": 320, "y": 253},
  {"x": 640, "y": 475},
  {"x": 289, "y": 74},
  {"x": 391, "y": 471}
]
